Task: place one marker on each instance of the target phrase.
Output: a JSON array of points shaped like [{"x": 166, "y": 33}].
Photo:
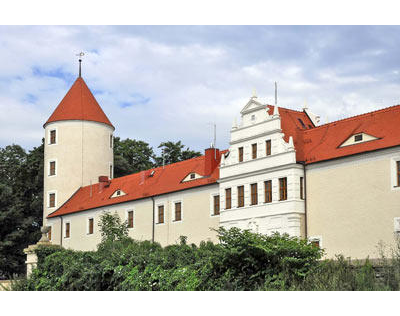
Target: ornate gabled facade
[{"x": 337, "y": 184}]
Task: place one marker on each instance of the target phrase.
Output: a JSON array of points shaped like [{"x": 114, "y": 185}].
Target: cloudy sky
[{"x": 159, "y": 83}]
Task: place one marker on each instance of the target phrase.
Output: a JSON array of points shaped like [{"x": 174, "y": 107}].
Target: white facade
[{"x": 284, "y": 216}]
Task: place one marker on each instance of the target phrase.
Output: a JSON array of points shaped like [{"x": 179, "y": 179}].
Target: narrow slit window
[
  {"x": 228, "y": 199},
  {"x": 240, "y": 154},
  {"x": 52, "y": 171},
  {"x": 111, "y": 171},
  {"x": 254, "y": 151},
  {"x": 53, "y": 136},
  {"x": 67, "y": 230},
  {"x": 398, "y": 173},
  {"x": 178, "y": 211},
  {"x": 302, "y": 188},
  {"x": 130, "y": 219},
  {"x": 52, "y": 200},
  {"x": 91, "y": 226},
  {"x": 111, "y": 141}
]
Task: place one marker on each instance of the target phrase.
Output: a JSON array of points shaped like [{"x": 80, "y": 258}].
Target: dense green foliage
[
  {"x": 132, "y": 155},
  {"x": 21, "y": 205}
]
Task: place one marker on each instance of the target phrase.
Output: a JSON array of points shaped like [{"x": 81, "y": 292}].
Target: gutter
[
  {"x": 305, "y": 200},
  {"x": 61, "y": 230},
  {"x": 153, "y": 225}
]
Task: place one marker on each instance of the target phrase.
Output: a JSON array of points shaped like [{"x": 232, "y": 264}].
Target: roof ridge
[
  {"x": 287, "y": 109},
  {"x": 353, "y": 117}
]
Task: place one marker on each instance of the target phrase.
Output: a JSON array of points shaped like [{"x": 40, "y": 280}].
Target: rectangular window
[
  {"x": 358, "y": 138},
  {"x": 53, "y": 136},
  {"x": 178, "y": 211},
  {"x": 398, "y": 173},
  {"x": 254, "y": 151},
  {"x": 91, "y": 226},
  {"x": 268, "y": 147},
  {"x": 254, "y": 194},
  {"x": 228, "y": 198},
  {"x": 302, "y": 188},
  {"x": 282, "y": 189},
  {"x": 240, "y": 196},
  {"x": 268, "y": 191},
  {"x": 111, "y": 141},
  {"x": 67, "y": 230},
  {"x": 52, "y": 200},
  {"x": 130, "y": 219},
  {"x": 52, "y": 171},
  {"x": 216, "y": 205},
  {"x": 315, "y": 242},
  {"x": 240, "y": 154},
  {"x": 49, "y": 233},
  {"x": 111, "y": 172},
  {"x": 160, "y": 214}
]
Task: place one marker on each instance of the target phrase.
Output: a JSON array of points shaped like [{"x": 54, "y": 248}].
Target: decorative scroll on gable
[
  {"x": 358, "y": 139},
  {"x": 117, "y": 193}
]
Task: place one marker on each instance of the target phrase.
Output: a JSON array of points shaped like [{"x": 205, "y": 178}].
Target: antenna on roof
[
  {"x": 276, "y": 93},
  {"x": 80, "y": 55}
]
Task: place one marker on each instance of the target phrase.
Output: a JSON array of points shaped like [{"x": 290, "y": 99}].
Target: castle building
[{"x": 337, "y": 184}]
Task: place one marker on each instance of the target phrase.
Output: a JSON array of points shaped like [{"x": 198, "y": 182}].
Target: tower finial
[
  {"x": 254, "y": 96},
  {"x": 81, "y": 54},
  {"x": 276, "y": 94}
]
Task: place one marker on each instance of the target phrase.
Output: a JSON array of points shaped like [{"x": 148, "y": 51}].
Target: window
[
  {"x": 67, "y": 230},
  {"x": 192, "y": 176},
  {"x": 315, "y": 243},
  {"x": 253, "y": 117},
  {"x": 268, "y": 147},
  {"x": 52, "y": 136},
  {"x": 254, "y": 194},
  {"x": 130, "y": 219},
  {"x": 160, "y": 214},
  {"x": 254, "y": 151},
  {"x": 111, "y": 171},
  {"x": 282, "y": 189},
  {"x": 268, "y": 191},
  {"x": 216, "y": 205},
  {"x": 240, "y": 196},
  {"x": 228, "y": 198},
  {"x": 302, "y": 188},
  {"x": 358, "y": 138},
  {"x": 111, "y": 141},
  {"x": 90, "y": 226},
  {"x": 398, "y": 173},
  {"x": 240, "y": 154},
  {"x": 302, "y": 123},
  {"x": 178, "y": 211},
  {"x": 49, "y": 233},
  {"x": 52, "y": 200},
  {"x": 52, "y": 170},
  {"x": 118, "y": 193}
]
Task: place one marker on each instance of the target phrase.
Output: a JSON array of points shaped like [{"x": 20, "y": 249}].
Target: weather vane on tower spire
[{"x": 81, "y": 54}]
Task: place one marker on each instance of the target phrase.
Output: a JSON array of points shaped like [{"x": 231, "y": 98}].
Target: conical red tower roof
[{"x": 79, "y": 104}]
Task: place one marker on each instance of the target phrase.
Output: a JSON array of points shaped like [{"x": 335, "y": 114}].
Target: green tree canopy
[{"x": 173, "y": 152}]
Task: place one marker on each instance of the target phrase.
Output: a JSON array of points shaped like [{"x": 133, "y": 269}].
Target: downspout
[
  {"x": 61, "y": 230},
  {"x": 153, "y": 225},
  {"x": 305, "y": 200}
]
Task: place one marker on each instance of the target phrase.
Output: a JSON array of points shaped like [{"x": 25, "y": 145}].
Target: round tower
[{"x": 78, "y": 147}]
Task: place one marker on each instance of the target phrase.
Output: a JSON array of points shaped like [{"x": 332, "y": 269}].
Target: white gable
[
  {"x": 192, "y": 176},
  {"x": 358, "y": 139},
  {"x": 118, "y": 193}
]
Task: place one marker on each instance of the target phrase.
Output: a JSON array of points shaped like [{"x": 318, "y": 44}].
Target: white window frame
[
  {"x": 49, "y": 138},
  {"x": 173, "y": 211},
  {"x": 88, "y": 218},
  {"x": 127, "y": 217},
  {"x": 65, "y": 229},
  {"x": 393, "y": 173},
  {"x": 55, "y": 199},
  {"x": 212, "y": 204},
  {"x": 48, "y": 167},
  {"x": 156, "y": 215},
  {"x": 316, "y": 238}
]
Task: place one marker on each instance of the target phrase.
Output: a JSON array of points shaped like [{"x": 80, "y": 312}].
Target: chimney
[
  {"x": 211, "y": 160},
  {"x": 103, "y": 183}
]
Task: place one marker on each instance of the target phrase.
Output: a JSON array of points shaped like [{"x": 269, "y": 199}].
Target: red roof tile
[
  {"x": 141, "y": 185},
  {"x": 79, "y": 104}
]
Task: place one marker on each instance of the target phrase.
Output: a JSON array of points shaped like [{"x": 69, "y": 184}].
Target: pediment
[
  {"x": 117, "y": 193},
  {"x": 358, "y": 138},
  {"x": 252, "y": 105}
]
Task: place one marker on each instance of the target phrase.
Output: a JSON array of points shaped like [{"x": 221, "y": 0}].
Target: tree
[
  {"x": 172, "y": 152},
  {"x": 131, "y": 156},
  {"x": 112, "y": 228},
  {"x": 21, "y": 205}
]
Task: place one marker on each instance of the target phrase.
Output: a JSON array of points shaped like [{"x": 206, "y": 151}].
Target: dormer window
[
  {"x": 358, "y": 138},
  {"x": 192, "y": 176},
  {"x": 118, "y": 193}
]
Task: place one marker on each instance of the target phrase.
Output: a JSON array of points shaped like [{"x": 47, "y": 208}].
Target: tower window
[
  {"x": 52, "y": 168},
  {"x": 52, "y": 200},
  {"x": 130, "y": 219},
  {"x": 178, "y": 211},
  {"x": 90, "y": 226},
  {"x": 53, "y": 136},
  {"x": 111, "y": 171},
  {"x": 282, "y": 189},
  {"x": 111, "y": 141}
]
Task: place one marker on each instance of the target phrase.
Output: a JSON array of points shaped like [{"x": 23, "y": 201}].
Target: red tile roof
[
  {"x": 79, "y": 104},
  {"x": 141, "y": 185}
]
